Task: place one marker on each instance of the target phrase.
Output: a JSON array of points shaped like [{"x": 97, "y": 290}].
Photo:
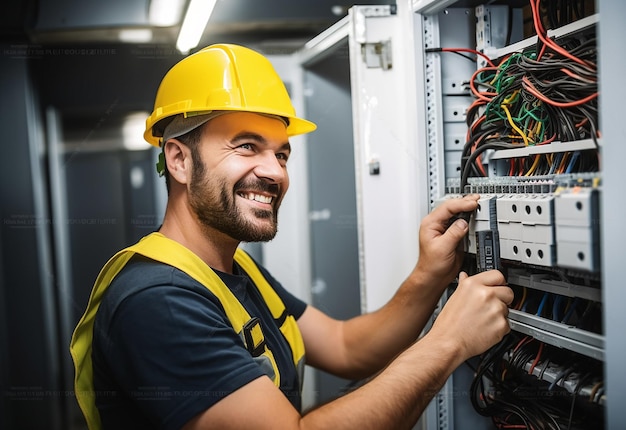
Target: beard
[{"x": 214, "y": 205}]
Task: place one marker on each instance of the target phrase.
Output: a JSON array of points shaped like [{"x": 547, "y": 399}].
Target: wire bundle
[
  {"x": 535, "y": 97},
  {"x": 504, "y": 389},
  {"x": 562, "y": 12}
]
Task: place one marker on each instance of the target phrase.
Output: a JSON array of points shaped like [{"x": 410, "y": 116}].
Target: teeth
[{"x": 257, "y": 197}]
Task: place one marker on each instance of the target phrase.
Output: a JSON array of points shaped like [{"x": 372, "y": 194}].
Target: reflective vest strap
[
  {"x": 288, "y": 325},
  {"x": 80, "y": 346},
  {"x": 273, "y": 301},
  {"x": 159, "y": 248}
]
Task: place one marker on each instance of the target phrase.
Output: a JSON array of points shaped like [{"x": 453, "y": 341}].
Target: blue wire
[
  {"x": 557, "y": 161},
  {"x": 570, "y": 166},
  {"x": 542, "y": 304}
]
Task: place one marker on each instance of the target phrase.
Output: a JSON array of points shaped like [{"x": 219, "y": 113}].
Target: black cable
[
  {"x": 472, "y": 158},
  {"x": 511, "y": 400},
  {"x": 575, "y": 393},
  {"x": 540, "y": 376}
]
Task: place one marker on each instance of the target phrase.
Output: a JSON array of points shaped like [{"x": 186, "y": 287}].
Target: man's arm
[
  {"x": 473, "y": 320},
  {"x": 395, "y": 399},
  {"x": 361, "y": 346}
]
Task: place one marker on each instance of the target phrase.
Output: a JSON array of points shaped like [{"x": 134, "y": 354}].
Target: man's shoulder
[{"x": 144, "y": 276}]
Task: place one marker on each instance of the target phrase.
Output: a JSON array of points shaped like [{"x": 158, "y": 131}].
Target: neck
[{"x": 213, "y": 247}]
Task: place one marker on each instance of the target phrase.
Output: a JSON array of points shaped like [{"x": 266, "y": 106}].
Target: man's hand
[
  {"x": 441, "y": 246},
  {"x": 476, "y": 314}
]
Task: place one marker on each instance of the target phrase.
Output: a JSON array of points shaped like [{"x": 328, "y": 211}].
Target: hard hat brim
[{"x": 297, "y": 126}]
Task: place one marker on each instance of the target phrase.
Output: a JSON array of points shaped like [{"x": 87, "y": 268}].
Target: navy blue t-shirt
[{"x": 164, "y": 351}]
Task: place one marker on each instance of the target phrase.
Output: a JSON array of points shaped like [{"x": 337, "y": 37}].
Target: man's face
[{"x": 240, "y": 175}]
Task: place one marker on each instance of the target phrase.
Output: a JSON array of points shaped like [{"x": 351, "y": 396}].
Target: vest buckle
[{"x": 253, "y": 337}]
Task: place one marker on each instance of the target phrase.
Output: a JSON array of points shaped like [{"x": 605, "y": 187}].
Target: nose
[{"x": 270, "y": 168}]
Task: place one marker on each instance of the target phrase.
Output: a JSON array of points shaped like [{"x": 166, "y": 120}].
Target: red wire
[
  {"x": 473, "y": 51},
  {"x": 534, "y": 5},
  {"x": 583, "y": 122},
  {"x": 576, "y": 76},
  {"x": 532, "y": 367},
  {"x": 473, "y": 127},
  {"x": 548, "y": 140},
  {"x": 481, "y": 95},
  {"x": 526, "y": 339},
  {"x": 478, "y": 161}
]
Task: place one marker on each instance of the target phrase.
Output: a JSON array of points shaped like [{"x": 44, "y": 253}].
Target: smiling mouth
[{"x": 257, "y": 197}]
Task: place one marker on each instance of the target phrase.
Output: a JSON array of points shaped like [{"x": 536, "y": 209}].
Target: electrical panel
[
  {"x": 512, "y": 114},
  {"x": 500, "y": 98}
]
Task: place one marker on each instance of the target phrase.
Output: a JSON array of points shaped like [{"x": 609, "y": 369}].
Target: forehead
[{"x": 231, "y": 124}]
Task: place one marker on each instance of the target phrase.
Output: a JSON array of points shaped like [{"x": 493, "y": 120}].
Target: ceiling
[{"x": 261, "y": 22}]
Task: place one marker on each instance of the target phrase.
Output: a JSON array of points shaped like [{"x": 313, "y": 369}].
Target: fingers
[
  {"x": 451, "y": 207},
  {"x": 489, "y": 278},
  {"x": 439, "y": 219},
  {"x": 457, "y": 230},
  {"x": 476, "y": 314},
  {"x": 493, "y": 279},
  {"x": 506, "y": 295}
]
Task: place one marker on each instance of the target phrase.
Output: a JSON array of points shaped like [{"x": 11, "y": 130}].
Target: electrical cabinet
[
  {"x": 426, "y": 76},
  {"x": 548, "y": 221}
]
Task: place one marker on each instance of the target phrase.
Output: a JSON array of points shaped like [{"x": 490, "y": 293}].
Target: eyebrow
[{"x": 248, "y": 135}]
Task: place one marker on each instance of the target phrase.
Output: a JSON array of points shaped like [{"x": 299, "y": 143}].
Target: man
[{"x": 184, "y": 330}]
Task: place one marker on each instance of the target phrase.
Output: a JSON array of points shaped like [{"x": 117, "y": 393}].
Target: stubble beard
[{"x": 214, "y": 205}]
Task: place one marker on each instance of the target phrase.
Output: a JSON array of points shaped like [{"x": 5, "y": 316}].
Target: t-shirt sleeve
[{"x": 175, "y": 353}]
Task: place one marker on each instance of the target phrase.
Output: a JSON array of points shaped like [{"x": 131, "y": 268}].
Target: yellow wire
[
  {"x": 563, "y": 163},
  {"x": 515, "y": 127},
  {"x": 538, "y": 130},
  {"x": 534, "y": 166},
  {"x": 534, "y": 131},
  {"x": 509, "y": 99}
]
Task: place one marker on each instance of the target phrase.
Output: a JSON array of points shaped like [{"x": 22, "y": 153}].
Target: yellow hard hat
[{"x": 222, "y": 78}]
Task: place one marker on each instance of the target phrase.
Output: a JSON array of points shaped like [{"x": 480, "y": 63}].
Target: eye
[
  {"x": 282, "y": 156},
  {"x": 246, "y": 146}
]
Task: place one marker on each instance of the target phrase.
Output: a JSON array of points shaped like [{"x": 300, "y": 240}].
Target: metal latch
[{"x": 377, "y": 54}]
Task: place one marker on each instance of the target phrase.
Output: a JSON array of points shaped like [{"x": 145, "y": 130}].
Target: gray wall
[
  {"x": 30, "y": 383},
  {"x": 90, "y": 90}
]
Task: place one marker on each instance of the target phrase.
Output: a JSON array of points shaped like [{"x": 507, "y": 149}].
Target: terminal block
[
  {"x": 526, "y": 226},
  {"x": 578, "y": 228}
]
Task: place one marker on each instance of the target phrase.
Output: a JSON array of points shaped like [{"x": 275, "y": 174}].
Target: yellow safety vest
[{"x": 159, "y": 248}]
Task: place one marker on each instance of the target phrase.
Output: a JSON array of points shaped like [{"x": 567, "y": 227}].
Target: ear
[{"x": 178, "y": 161}]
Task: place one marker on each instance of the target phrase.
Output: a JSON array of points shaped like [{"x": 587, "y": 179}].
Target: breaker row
[{"x": 542, "y": 222}]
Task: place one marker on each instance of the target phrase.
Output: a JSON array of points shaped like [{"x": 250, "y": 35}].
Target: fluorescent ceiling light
[
  {"x": 135, "y": 35},
  {"x": 132, "y": 131},
  {"x": 194, "y": 23},
  {"x": 165, "y": 13}
]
